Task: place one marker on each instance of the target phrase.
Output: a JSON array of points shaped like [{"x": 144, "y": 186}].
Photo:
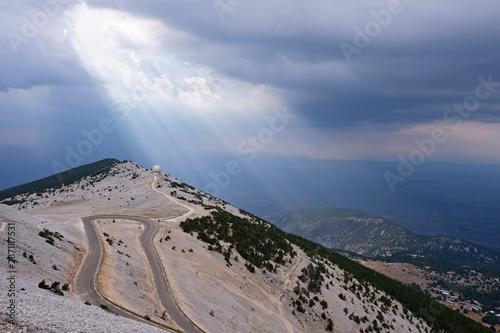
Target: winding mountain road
[
  {"x": 170, "y": 198},
  {"x": 86, "y": 280}
]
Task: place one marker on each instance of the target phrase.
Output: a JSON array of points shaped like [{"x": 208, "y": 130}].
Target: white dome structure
[{"x": 156, "y": 169}]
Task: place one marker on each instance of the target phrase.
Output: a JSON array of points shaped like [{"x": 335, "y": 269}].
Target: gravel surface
[
  {"x": 126, "y": 276},
  {"x": 43, "y": 311}
]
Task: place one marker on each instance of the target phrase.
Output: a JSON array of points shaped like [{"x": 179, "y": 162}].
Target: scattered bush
[
  {"x": 32, "y": 259},
  {"x": 43, "y": 285},
  {"x": 250, "y": 268},
  {"x": 256, "y": 241},
  {"x": 54, "y": 287},
  {"x": 329, "y": 327},
  {"x": 49, "y": 236}
]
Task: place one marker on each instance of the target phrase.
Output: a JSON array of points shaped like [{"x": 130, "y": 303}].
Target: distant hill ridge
[
  {"x": 364, "y": 234},
  {"x": 60, "y": 179}
]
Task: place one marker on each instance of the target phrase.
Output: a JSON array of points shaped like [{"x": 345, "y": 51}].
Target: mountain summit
[{"x": 165, "y": 256}]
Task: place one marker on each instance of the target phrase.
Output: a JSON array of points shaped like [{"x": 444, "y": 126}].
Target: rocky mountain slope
[
  {"x": 361, "y": 233},
  {"x": 228, "y": 270},
  {"x": 36, "y": 260}
]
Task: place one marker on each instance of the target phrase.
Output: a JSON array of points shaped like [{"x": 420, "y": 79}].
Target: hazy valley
[{"x": 435, "y": 265}]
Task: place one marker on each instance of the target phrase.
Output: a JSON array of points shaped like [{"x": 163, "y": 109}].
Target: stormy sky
[{"x": 173, "y": 82}]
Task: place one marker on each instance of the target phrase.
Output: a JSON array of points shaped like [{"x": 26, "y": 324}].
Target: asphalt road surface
[{"x": 86, "y": 280}]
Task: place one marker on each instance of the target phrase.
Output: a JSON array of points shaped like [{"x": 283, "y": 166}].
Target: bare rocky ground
[
  {"x": 39, "y": 310},
  {"x": 125, "y": 277},
  {"x": 217, "y": 298},
  {"x": 231, "y": 299},
  {"x": 214, "y": 295},
  {"x": 406, "y": 273}
]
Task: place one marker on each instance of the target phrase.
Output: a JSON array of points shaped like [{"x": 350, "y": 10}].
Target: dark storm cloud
[
  {"x": 427, "y": 57},
  {"x": 34, "y": 49}
]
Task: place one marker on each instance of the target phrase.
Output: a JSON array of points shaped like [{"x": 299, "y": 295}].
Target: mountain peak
[
  {"x": 228, "y": 270},
  {"x": 61, "y": 179}
]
